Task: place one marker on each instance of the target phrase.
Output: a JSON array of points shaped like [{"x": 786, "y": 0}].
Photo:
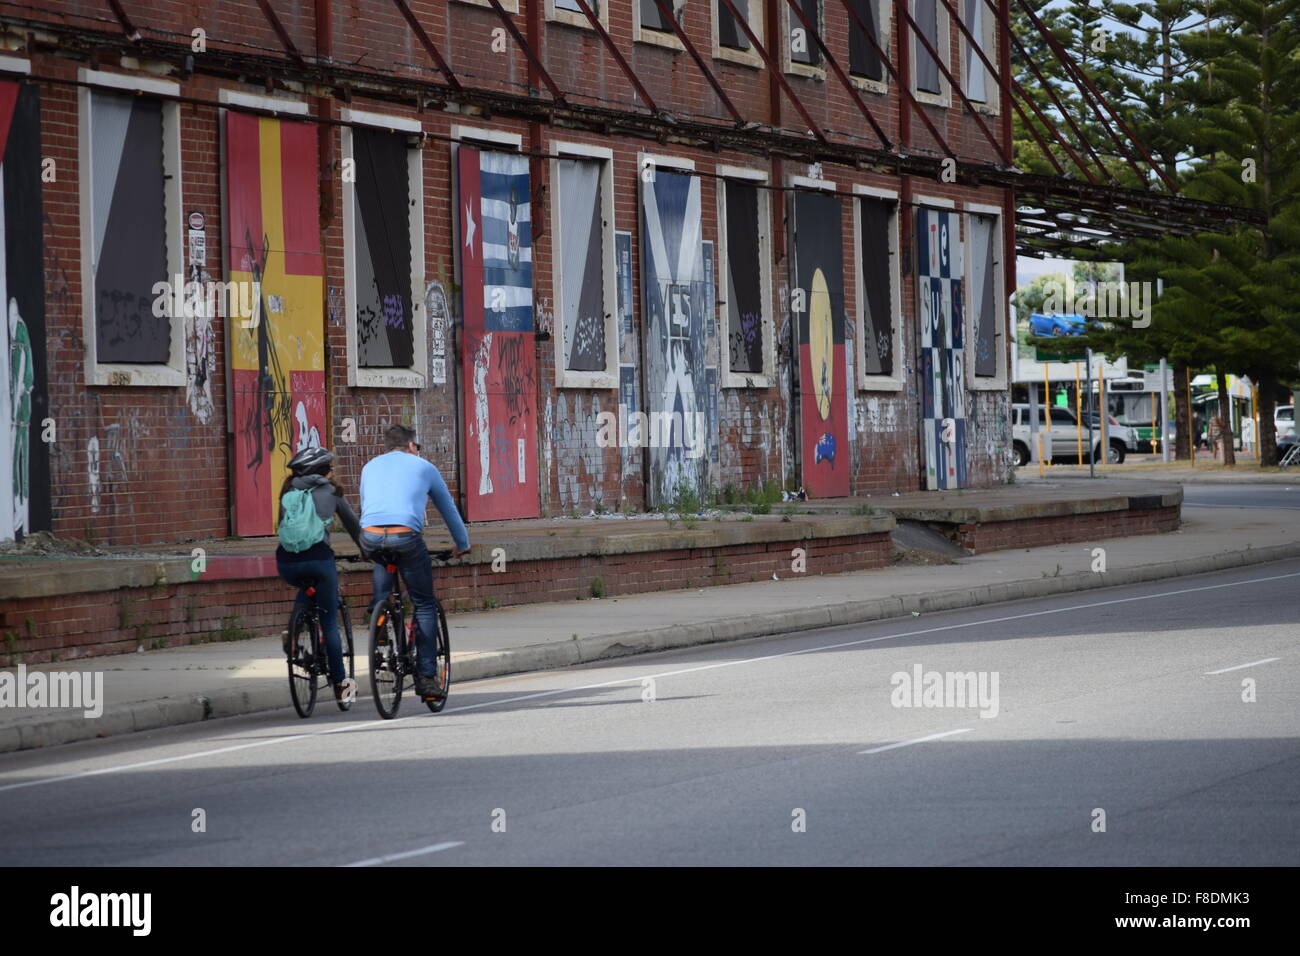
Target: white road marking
[
  {"x": 1267, "y": 660},
  {"x": 407, "y": 854},
  {"x": 637, "y": 680},
  {"x": 1197, "y": 504},
  {"x": 918, "y": 740}
]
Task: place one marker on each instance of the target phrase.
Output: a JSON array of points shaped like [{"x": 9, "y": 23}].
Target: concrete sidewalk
[
  {"x": 161, "y": 688},
  {"x": 1246, "y": 471}
]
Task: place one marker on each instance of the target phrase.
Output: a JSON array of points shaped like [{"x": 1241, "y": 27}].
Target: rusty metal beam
[
  {"x": 775, "y": 70},
  {"x": 280, "y": 31},
  {"x": 428, "y": 45},
  {"x": 666, "y": 12},
  {"x": 556, "y": 93},
  {"x": 128, "y": 27},
  {"x": 618, "y": 57},
  {"x": 1065, "y": 114},
  {"x": 843, "y": 77},
  {"x": 1087, "y": 87},
  {"x": 952, "y": 82},
  {"x": 1005, "y": 82},
  {"x": 902, "y": 87}
]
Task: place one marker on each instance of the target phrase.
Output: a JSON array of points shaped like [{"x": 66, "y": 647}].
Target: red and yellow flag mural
[{"x": 277, "y": 354}]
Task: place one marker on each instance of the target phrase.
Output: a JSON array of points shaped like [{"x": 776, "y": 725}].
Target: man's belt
[{"x": 389, "y": 529}]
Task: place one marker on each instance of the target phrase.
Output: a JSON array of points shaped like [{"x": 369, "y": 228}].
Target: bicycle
[
  {"x": 308, "y": 658},
  {"x": 394, "y": 654}
]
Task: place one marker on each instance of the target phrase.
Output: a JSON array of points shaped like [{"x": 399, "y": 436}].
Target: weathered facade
[{"x": 784, "y": 275}]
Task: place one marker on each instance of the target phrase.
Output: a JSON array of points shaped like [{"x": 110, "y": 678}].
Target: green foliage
[{"x": 598, "y": 588}]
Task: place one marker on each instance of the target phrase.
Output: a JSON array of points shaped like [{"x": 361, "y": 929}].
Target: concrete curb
[{"x": 168, "y": 712}]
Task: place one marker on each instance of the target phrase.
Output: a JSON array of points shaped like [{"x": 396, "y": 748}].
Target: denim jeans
[
  {"x": 416, "y": 568},
  {"x": 326, "y": 576}
]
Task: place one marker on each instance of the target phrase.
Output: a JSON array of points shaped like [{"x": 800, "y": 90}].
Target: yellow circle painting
[{"x": 821, "y": 344}]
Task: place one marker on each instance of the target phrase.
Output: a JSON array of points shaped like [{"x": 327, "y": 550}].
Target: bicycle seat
[
  {"x": 387, "y": 558},
  {"x": 309, "y": 586}
]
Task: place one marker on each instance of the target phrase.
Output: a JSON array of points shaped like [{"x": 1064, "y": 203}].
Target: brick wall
[
  {"x": 41, "y": 630},
  {"x": 163, "y": 470},
  {"x": 995, "y": 536}
]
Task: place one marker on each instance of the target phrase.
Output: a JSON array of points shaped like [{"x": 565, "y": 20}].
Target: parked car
[
  {"x": 1284, "y": 421},
  {"x": 1056, "y": 324},
  {"x": 1065, "y": 436}
]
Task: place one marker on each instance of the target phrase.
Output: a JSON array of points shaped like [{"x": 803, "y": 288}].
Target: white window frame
[
  {"x": 943, "y": 27},
  {"x": 787, "y": 22},
  {"x": 573, "y": 378},
  {"x": 991, "y": 104},
  {"x": 414, "y": 375},
  {"x": 885, "y": 23},
  {"x": 655, "y": 37},
  {"x": 748, "y": 57},
  {"x": 576, "y": 18},
  {"x": 510, "y": 6},
  {"x": 13, "y": 64},
  {"x": 1002, "y": 312},
  {"x": 866, "y": 382},
  {"x": 766, "y": 378},
  {"x": 172, "y": 373}
]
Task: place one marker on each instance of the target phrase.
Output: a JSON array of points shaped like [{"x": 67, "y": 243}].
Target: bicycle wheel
[
  {"x": 303, "y": 666},
  {"x": 349, "y": 662},
  {"x": 385, "y": 660},
  {"x": 443, "y": 664}
]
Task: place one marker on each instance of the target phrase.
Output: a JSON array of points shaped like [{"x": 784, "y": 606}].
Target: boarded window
[
  {"x": 652, "y": 19},
  {"x": 385, "y": 331},
  {"x": 129, "y": 223},
  {"x": 803, "y": 48},
  {"x": 984, "y": 263},
  {"x": 744, "y": 290},
  {"x": 582, "y": 263},
  {"x": 863, "y": 59},
  {"x": 877, "y": 270},
  {"x": 927, "y": 69},
  {"x": 975, "y": 84},
  {"x": 730, "y": 33}
]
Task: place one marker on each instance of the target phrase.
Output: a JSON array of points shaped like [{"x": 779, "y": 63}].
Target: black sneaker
[{"x": 426, "y": 687}]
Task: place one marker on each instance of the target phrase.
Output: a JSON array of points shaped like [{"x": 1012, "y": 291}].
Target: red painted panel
[
  {"x": 825, "y": 441},
  {"x": 301, "y": 199},
  {"x": 251, "y": 463}
]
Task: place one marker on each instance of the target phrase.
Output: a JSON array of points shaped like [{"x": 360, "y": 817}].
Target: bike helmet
[{"x": 311, "y": 461}]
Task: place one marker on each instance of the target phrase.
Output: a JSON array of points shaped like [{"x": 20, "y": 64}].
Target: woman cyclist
[{"x": 311, "y": 470}]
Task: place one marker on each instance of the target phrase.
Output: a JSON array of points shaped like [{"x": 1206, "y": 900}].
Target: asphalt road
[
  {"x": 1126, "y": 700},
  {"x": 1243, "y": 496}
]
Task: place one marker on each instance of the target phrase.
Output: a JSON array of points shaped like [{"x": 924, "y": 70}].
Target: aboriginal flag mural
[
  {"x": 24, "y": 457},
  {"x": 939, "y": 306},
  {"x": 381, "y": 201},
  {"x": 672, "y": 280},
  {"x": 277, "y": 355},
  {"x": 817, "y": 299},
  {"x": 499, "y": 360}
]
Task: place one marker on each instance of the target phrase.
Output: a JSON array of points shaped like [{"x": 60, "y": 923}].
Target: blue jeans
[
  {"x": 417, "y": 574},
  {"x": 326, "y": 576}
]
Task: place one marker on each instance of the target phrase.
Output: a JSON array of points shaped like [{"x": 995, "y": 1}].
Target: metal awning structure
[{"x": 1055, "y": 214}]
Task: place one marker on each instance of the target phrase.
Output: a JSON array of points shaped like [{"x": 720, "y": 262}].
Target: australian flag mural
[
  {"x": 817, "y": 300},
  {"x": 499, "y": 361},
  {"x": 673, "y": 285},
  {"x": 939, "y": 302}
]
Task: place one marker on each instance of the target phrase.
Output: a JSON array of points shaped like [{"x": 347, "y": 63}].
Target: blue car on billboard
[{"x": 1056, "y": 324}]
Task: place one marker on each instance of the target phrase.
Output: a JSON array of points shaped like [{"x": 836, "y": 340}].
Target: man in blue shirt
[{"x": 395, "y": 489}]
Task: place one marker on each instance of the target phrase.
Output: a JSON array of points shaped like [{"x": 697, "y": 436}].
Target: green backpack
[{"x": 301, "y": 527}]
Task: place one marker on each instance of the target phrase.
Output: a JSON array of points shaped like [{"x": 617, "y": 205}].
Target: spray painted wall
[
  {"x": 942, "y": 360},
  {"x": 276, "y": 364},
  {"x": 24, "y": 456},
  {"x": 499, "y": 357},
  {"x": 674, "y": 296}
]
